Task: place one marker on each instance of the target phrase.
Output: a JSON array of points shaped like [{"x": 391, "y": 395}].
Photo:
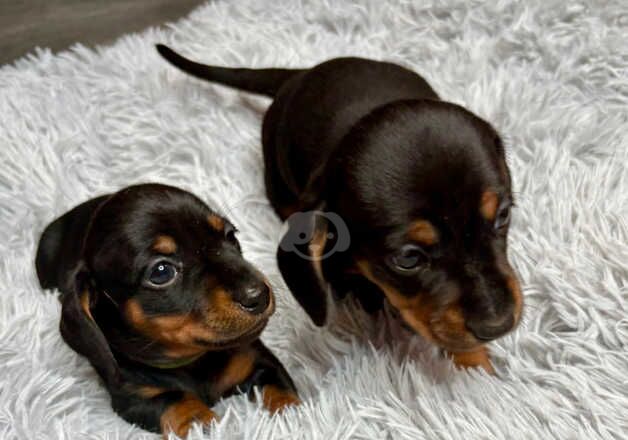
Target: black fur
[
  {"x": 372, "y": 142},
  {"x": 98, "y": 255}
]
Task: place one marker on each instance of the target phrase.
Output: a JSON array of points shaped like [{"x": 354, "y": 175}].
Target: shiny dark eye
[
  {"x": 161, "y": 274},
  {"x": 409, "y": 258},
  {"x": 230, "y": 234},
  {"x": 503, "y": 217}
]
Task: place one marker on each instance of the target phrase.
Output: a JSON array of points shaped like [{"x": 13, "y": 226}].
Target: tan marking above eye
[
  {"x": 165, "y": 244},
  {"x": 488, "y": 205},
  {"x": 216, "y": 222},
  {"x": 422, "y": 231}
]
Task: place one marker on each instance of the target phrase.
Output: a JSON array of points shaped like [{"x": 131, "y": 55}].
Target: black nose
[
  {"x": 487, "y": 330},
  {"x": 255, "y": 299}
]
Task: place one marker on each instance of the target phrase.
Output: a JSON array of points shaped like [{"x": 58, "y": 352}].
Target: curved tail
[{"x": 262, "y": 81}]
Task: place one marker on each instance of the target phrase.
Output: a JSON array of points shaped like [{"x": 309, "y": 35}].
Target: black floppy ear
[
  {"x": 300, "y": 255},
  {"x": 81, "y": 332},
  {"x": 60, "y": 246}
]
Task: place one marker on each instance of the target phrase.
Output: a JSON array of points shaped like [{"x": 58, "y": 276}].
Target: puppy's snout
[
  {"x": 255, "y": 299},
  {"x": 487, "y": 330}
]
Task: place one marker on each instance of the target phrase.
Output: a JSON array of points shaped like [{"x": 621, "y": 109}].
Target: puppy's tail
[{"x": 262, "y": 81}]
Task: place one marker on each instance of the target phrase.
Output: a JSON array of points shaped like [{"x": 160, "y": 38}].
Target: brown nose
[
  {"x": 255, "y": 299},
  {"x": 487, "y": 330}
]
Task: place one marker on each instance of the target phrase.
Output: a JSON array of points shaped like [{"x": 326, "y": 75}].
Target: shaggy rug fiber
[{"x": 552, "y": 76}]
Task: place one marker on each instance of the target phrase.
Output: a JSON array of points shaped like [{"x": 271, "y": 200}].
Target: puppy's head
[
  {"x": 426, "y": 193},
  {"x": 164, "y": 278}
]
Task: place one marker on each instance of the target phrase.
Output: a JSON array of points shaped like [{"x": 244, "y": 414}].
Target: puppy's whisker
[{"x": 110, "y": 298}]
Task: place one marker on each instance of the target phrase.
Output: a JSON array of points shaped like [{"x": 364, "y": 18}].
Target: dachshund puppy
[
  {"x": 388, "y": 192},
  {"x": 157, "y": 296}
]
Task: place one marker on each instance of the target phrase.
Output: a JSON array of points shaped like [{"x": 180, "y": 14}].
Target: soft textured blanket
[{"x": 552, "y": 76}]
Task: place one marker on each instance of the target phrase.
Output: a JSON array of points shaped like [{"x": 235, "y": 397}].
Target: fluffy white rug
[{"x": 551, "y": 75}]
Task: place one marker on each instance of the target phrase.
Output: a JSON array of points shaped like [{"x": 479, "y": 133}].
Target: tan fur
[
  {"x": 488, "y": 205},
  {"x": 276, "y": 399},
  {"x": 85, "y": 304},
  {"x": 411, "y": 309},
  {"x": 423, "y": 232},
  {"x": 216, "y": 222},
  {"x": 224, "y": 320},
  {"x": 176, "y": 332},
  {"x": 444, "y": 327},
  {"x": 239, "y": 367},
  {"x": 473, "y": 359},
  {"x": 317, "y": 247},
  {"x": 180, "y": 416},
  {"x": 165, "y": 244},
  {"x": 149, "y": 391}
]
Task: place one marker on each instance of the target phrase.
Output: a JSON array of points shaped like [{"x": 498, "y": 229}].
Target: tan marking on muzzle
[
  {"x": 175, "y": 332},
  {"x": 413, "y": 312}
]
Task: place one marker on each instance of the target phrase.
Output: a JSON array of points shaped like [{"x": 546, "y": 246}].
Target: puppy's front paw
[
  {"x": 277, "y": 399},
  {"x": 180, "y": 416},
  {"x": 473, "y": 359}
]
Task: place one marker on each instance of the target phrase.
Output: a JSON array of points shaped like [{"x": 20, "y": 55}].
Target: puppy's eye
[
  {"x": 409, "y": 258},
  {"x": 503, "y": 217},
  {"x": 230, "y": 234},
  {"x": 161, "y": 274}
]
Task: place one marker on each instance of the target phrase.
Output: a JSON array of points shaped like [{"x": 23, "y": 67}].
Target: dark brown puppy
[
  {"x": 156, "y": 294},
  {"x": 364, "y": 149}
]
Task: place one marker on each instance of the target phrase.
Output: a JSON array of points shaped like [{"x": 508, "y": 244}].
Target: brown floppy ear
[
  {"x": 81, "y": 332},
  {"x": 300, "y": 255}
]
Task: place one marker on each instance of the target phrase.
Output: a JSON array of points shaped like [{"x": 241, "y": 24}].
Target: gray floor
[{"x": 25, "y": 24}]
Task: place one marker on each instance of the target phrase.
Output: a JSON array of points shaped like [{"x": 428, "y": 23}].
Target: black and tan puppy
[
  {"x": 156, "y": 294},
  {"x": 367, "y": 149}
]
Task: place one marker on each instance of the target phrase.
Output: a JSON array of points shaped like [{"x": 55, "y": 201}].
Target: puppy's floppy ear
[
  {"x": 81, "y": 332},
  {"x": 60, "y": 246},
  {"x": 300, "y": 255}
]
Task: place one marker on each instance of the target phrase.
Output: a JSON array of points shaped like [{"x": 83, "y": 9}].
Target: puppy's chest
[
  {"x": 216, "y": 376},
  {"x": 232, "y": 372}
]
